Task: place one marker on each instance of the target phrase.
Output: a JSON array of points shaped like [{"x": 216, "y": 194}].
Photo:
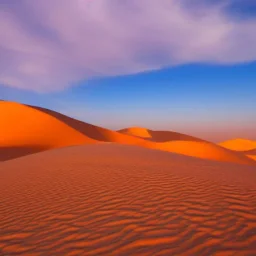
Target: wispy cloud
[{"x": 48, "y": 45}]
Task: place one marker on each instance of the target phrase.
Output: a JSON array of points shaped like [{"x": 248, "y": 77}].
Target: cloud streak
[{"x": 49, "y": 45}]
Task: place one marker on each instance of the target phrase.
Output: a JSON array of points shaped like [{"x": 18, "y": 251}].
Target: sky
[{"x": 187, "y": 66}]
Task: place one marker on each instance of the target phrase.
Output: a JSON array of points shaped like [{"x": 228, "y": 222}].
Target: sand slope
[
  {"x": 107, "y": 199},
  {"x": 239, "y": 144},
  {"x": 41, "y": 129}
]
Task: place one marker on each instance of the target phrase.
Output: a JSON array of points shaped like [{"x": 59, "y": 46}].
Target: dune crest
[
  {"x": 239, "y": 144},
  {"x": 136, "y": 131}
]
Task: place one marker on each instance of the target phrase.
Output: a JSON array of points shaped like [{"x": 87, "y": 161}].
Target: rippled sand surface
[{"x": 109, "y": 199}]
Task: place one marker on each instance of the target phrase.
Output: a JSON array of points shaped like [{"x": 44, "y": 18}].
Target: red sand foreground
[{"x": 109, "y": 199}]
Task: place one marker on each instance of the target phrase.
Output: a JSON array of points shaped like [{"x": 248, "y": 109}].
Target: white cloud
[{"x": 48, "y": 45}]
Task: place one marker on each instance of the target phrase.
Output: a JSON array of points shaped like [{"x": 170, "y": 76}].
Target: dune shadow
[{"x": 8, "y": 153}]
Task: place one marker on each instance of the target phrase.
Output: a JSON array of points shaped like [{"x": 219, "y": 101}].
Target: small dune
[
  {"x": 239, "y": 144},
  {"x": 137, "y": 131},
  {"x": 110, "y": 199},
  {"x": 158, "y": 136}
]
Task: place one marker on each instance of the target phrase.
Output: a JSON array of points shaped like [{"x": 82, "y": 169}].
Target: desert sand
[
  {"x": 110, "y": 199},
  {"x": 29, "y": 129}
]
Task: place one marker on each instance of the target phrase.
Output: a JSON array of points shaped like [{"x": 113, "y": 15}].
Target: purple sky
[{"x": 48, "y": 45}]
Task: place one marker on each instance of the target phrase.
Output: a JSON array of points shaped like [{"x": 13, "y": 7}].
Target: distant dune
[
  {"x": 30, "y": 129},
  {"x": 187, "y": 145},
  {"x": 137, "y": 131},
  {"x": 158, "y": 136},
  {"x": 239, "y": 144},
  {"x": 109, "y": 199},
  {"x": 204, "y": 150}
]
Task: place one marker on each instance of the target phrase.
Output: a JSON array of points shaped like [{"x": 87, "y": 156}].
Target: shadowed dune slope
[
  {"x": 250, "y": 152},
  {"x": 25, "y": 130},
  {"x": 109, "y": 199},
  {"x": 239, "y": 144},
  {"x": 158, "y": 136}
]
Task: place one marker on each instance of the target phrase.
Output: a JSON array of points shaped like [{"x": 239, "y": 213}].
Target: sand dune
[
  {"x": 25, "y": 129},
  {"x": 204, "y": 150},
  {"x": 136, "y": 131},
  {"x": 187, "y": 145},
  {"x": 41, "y": 129},
  {"x": 158, "y": 136},
  {"x": 109, "y": 199},
  {"x": 239, "y": 144}
]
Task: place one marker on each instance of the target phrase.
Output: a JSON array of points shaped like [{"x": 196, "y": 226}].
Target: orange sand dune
[
  {"x": 239, "y": 144},
  {"x": 187, "y": 145},
  {"x": 204, "y": 150},
  {"x": 137, "y": 131},
  {"x": 109, "y": 199},
  {"x": 158, "y": 136},
  {"x": 40, "y": 129},
  {"x": 22, "y": 126}
]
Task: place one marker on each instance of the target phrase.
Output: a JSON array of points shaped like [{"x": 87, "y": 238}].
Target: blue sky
[{"x": 190, "y": 68}]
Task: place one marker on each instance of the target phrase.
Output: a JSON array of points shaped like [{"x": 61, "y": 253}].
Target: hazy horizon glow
[{"x": 187, "y": 66}]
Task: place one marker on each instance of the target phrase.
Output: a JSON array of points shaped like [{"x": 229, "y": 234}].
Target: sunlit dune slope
[
  {"x": 26, "y": 130},
  {"x": 204, "y": 150},
  {"x": 239, "y": 144},
  {"x": 157, "y": 136},
  {"x": 109, "y": 199}
]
